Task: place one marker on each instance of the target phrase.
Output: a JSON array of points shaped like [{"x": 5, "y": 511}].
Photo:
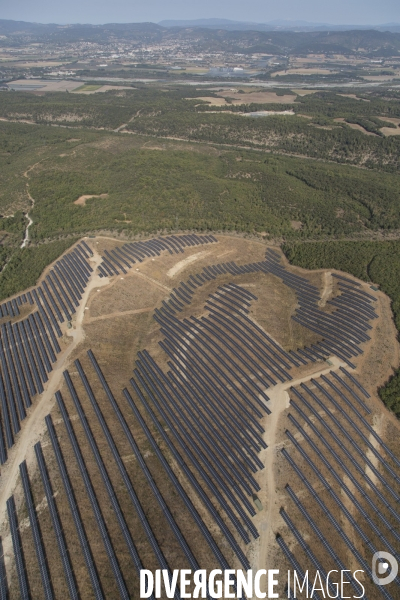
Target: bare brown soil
[
  {"x": 354, "y": 96},
  {"x": 211, "y": 100},
  {"x": 355, "y": 126},
  {"x": 256, "y": 97},
  {"x": 390, "y": 131},
  {"x": 81, "y": 201},
  {"x": 296, "y": 225}
]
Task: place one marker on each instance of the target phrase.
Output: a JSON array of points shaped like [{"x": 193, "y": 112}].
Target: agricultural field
[{"x": 88, "y": 88}]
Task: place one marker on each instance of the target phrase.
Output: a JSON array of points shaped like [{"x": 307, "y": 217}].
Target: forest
[
  {"x": 147, "y": 187},
  {"x": 377, "y": 262},
  {"x": 143, "y": 185},
  {"x": 26, "y": 266},
  {"x": 319, "y": 129}
]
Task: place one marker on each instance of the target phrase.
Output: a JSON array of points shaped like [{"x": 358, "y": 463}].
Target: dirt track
[
  {"x": 268, "y": 520},
  {"x": 33, "y": 426},
  {"x": 183, "y": 263},
  {"x": 327, "y": 291}
]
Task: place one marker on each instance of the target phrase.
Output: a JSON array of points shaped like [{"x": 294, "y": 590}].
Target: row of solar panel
[
  {"x": 331, "y": 518},
  {"x": 188, "y": 503},
  {"x": 343, "y": 330},
  {"x": 371, "y": 502},
  {"x": 327, "y": 546},
  {"x": 184, "y": 293},
  {"x": 356, "y": 441},
  {"x": 209, "y": 274},
  {"x": 189, "y": 385},
  {"x": 128, "y": 254},
  {"x": 74, "y": 507},
  {"x": 192, "y": 443},
  {"x": 177, "y": 332},
  {"x": 10, "y": 308},
  {"x": 25, "y": 359},
  {"x": 198, "y": 488},
  {"x": 363, "y": 516},
  {"x": 24, "y": 587},
  {"x": 29, "y": 347},
  {"x": 61, "y": 541},
  {"x": 237, "y": 300},
  {"x": 351, "y": 441}
]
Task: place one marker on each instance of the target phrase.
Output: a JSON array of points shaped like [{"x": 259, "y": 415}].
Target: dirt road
[
  {"x": 121, "y": 313},
  {"x": 268, "y": 519},
  {"x": 183, "y": 263},
  {"x": 33, "y": 427},
  {"x": 328, "y": 288}
]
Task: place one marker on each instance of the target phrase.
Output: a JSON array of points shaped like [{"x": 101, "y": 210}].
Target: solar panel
[
  {"x": 188, "y": 450},
  {"x": 332, "y": 519},
  {"x": 105, "y": 477},
  {"x": 213, "y": 546},
  {"x": 18, "y": 553},
  {"x": 94, "y": 502},
  {"x": 36, "y": 534},
  {"x": 62, "y": 547},
  {"x": 75, "y": 512},
  {"x": 128, "y": 485}
]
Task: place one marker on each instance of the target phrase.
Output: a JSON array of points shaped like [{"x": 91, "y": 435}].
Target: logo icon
[{"x": 384, "y": 568}]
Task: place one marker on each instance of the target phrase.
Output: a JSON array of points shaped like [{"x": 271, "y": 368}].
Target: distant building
[{"x": 227, "y": 72}]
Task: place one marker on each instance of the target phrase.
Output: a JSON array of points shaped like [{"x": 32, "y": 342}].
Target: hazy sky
[{"x": 119, "y": 11}]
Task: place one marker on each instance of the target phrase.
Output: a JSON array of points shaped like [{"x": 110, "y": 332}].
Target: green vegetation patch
[
  {"x": 87, "y": 87},
  {"x": 27, "y": 264},
  {"x": 154, "y": 189},
  {"x": 154, "y": 185}
]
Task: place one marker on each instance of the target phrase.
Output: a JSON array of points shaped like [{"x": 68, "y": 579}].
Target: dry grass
[
  {"x": 247, "y": 98},
  {"x": 390, "y": 131}
]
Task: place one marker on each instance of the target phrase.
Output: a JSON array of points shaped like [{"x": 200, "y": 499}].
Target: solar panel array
[
  {"x": 202, "y": 418},
  {"x": 29, "y": 346},
  {"x": 344, "y": 328},
  {"x": 334, "y": 459},
  {"x": 10, "y": 308},
  {"x": 56, "y": 455},
  {"x": 227, "y": 346},
  {"x": 124, "y": 257}
]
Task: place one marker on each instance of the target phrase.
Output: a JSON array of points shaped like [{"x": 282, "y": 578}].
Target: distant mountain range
[
  {"x": 215, "y": 35},
  {"x": 15, "y": 27},
  {"x": 276, "y": 25}
]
